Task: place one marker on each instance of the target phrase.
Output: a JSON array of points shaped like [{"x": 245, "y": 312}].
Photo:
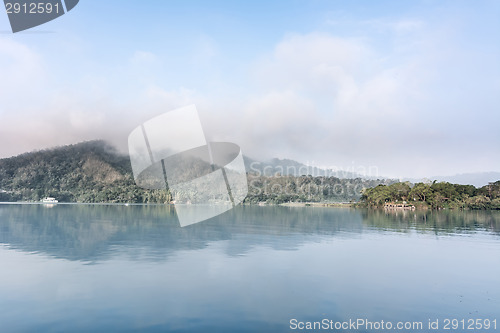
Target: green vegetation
[
  {"x": 87, "y": 172},
  {"x": 282, "y": 189},
  {"x": 95, "y": 172},
  {"x": 435, "y": 195}
]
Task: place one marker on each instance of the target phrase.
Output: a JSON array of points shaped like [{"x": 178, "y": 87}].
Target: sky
[{"x": 407, "y": 88}]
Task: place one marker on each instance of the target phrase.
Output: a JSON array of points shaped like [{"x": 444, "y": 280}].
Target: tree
[
  {"x": 399, "y": 191},
  {"x": 421, "y": 192},
  {"x": 479, "y": 202},
  {"x": 445, "y": 189}
]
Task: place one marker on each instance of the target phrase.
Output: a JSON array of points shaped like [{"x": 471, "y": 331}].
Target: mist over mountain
[
  {"x": 94, "y": 171},
  {"x": 91, "y": 171},
  {"x": 288, "y": 167},
  {"x": 477, "y": 179}
]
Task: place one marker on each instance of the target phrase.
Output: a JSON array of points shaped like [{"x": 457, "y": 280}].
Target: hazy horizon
[
  {"x": 410, "y": 88},
  {"x": 371, "y": 172}
]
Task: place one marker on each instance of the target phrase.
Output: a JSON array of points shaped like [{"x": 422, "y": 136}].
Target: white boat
[{"x": 49, "y": 200}]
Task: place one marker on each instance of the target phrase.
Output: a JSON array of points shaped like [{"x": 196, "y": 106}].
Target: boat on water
[{"x": 49, "y": 200}]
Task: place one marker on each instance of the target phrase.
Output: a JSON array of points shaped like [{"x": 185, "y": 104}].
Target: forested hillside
[
  {"x": 281, "y": 189},
  {"x": 87, "y": 172},
  {"x": 434, "y": 195},
  {"x": 95, "y": 172}
]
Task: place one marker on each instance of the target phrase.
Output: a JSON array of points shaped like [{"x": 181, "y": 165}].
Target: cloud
[
  {"x": 278, "y": 124},
  {"x": 143, "y": 67},
  {"x": 306, "y": 61},
  {"x": 351, "y": 101},
  {"x": 205, "y": 49},
  {"x": 20, "y": 65},
  {"x": 144, "y": 57},
  {"x": 36, "y": 112},
  {"x": 410, "y": 107},
  {"x": 388, "y": 108},
  {"x": 407, "y": 25}
]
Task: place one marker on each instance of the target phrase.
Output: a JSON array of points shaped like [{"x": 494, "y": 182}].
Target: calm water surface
[{"x": 105, "y": 268}]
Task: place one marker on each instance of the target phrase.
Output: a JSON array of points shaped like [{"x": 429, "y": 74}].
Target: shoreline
[
  {"x": 316, "y": 204},
  {"x": 288, "y": 204},
  {"x": 350, "y": 205}
]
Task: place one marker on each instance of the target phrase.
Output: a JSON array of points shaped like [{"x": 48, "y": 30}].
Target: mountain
[
  {"x": 94, "y": 171},
  {"x": 90, "y": 171},
  {"x": 287, "y": 167},
  {"x": 477, "y": 179}
]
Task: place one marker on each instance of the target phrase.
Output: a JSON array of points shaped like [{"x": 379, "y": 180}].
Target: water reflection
[
  {"x": 438, "y": 222},
  {"x": 93, "y": 232},
  {"x": 105, "y": 268}
]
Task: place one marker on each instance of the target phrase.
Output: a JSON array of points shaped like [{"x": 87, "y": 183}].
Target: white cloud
[
  {"x": 278, "y": 124},
  {"x": 144, "y": 57},
  {"x": 205, "y": 49},
  {"x": 37, "y": 113},
  {"x": 407, "y": 25},
  {"x": 352, "y": 94},
  {"x": 23, "y": 75},
  {"x": 314, "y": 96},
  {"x": 304, "y": 61},
  {"x": 371, "y": 107}
]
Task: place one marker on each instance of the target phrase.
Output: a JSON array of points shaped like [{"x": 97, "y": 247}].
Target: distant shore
[
  {"x": 318, "y": 204},
  {"x": 287, "y": 204},
  {"x": 354, "y": 205}
]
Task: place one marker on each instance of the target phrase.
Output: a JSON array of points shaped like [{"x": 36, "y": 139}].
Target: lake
[{"x": 114, "y": 268}]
